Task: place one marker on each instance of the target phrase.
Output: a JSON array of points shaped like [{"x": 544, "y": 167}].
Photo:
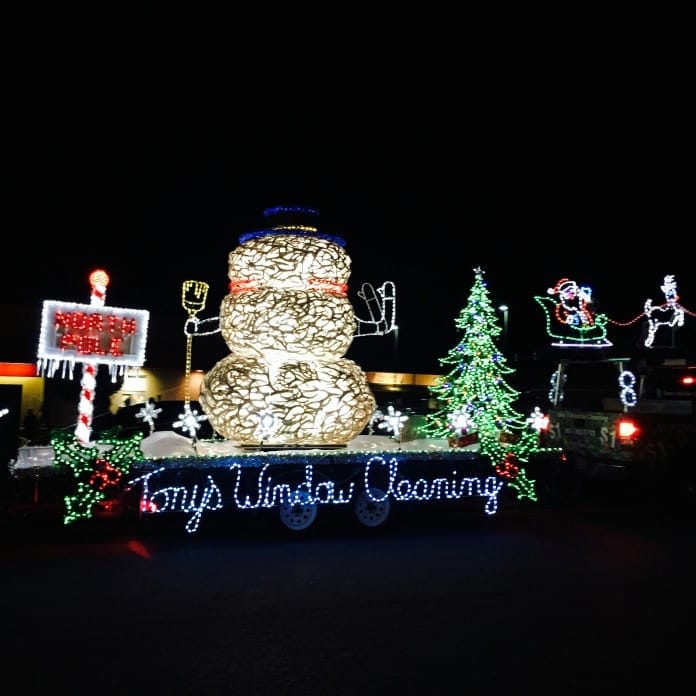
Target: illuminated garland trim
[
  {"x": 331, "y": 287},
  {"x": 290, "y": 210},
  {"x": 280, "y": 231}
]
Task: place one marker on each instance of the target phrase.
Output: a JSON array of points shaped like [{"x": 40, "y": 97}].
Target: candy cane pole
[{"x": 98, "y": 281}]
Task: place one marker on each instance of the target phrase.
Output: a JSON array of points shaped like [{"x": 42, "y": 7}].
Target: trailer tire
[
  {"x": 298, "y": 515},
  {"x": 370, "y": 512}
]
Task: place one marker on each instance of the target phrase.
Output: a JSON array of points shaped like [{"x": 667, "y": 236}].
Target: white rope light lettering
[{"x": 312, "y": 489}]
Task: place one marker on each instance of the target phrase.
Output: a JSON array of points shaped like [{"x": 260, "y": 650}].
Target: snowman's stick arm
[{"x": 195, "y": 327}]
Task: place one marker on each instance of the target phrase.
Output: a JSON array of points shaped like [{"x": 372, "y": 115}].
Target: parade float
[{"x": 296, "y": 428}]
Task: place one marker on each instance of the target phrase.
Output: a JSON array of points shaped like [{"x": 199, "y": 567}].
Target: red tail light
[{"x": 627, "y": 430}]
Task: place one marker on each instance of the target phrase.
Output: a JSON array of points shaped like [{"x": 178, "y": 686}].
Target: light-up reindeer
[{"x": 670, "y": 314}]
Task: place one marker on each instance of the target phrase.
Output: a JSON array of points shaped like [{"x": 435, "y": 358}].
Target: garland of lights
[{"x": 98, "y": 470}]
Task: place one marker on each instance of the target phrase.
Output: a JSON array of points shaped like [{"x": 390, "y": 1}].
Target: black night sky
[{"x": 153, "y": 172}]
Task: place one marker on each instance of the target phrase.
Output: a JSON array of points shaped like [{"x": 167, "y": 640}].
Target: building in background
[{"x": 55, "y": 400}]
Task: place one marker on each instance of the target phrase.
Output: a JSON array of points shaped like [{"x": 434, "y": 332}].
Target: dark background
[
  {"x": 148, "y": 154},
  {"x": 587, "y": 600}
]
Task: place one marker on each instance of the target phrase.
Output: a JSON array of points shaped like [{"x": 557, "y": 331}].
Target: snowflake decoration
[
  {"x": 393, "y": 422},
  {"x": 460, "y": 420},
  {"x": 268, "y": 424},
  {"x": 149, "y": 413},
  {"x": 538, "y": 420},
  {"x": 190, "y": 420}
]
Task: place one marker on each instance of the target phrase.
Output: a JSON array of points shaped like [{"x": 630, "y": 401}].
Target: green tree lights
[
  {"x": 99, "y": 470},
  {"x": 475, "y": 402}
]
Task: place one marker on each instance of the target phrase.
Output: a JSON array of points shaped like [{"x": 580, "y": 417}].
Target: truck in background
[{"x": 627, "y": 426}]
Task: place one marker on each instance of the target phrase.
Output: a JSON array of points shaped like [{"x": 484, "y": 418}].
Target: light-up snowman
[{"x": 288, "y": 322}]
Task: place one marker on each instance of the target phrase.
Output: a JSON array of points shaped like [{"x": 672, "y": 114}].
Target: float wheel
[
  {"x": 372, "y": 513},
  {"x": 298, "y": 515}
]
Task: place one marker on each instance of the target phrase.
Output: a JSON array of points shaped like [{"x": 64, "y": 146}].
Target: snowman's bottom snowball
[{"x": 296, "y": 402}]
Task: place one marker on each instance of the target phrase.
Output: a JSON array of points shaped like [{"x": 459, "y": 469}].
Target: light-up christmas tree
[{"x": 475, "y": 403}]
